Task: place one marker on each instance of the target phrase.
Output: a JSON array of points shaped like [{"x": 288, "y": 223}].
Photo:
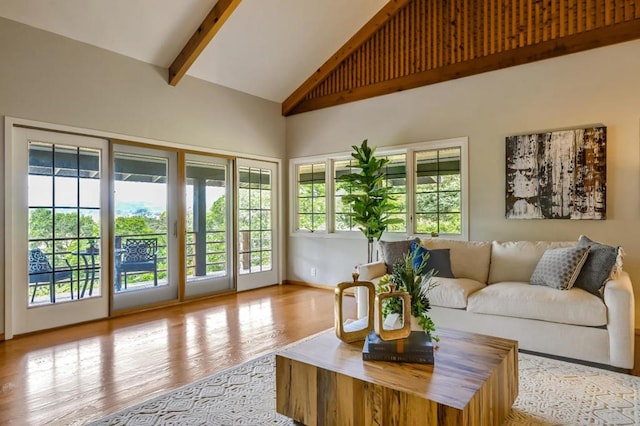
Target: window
[
  {"x": 64, "y": 212},
  {"x": 206, "y": 220},
  {"x": 312, "y": 204},
  {"x": 344, "y": 214},
  {"x": 254, "y": 220},
  {"x": 427, "y": 180},
  {"x": 396, "y": 178},
  {"x": 141, "y": 224},
  {"x": 438, "y": 193}
]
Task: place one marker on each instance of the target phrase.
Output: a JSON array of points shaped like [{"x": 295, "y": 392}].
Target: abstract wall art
[{"x": 557, "y": 175}]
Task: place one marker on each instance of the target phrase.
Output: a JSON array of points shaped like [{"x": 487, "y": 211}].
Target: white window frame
[
  {"x": 294, "y": 191},
  {"x": 293, "y": 194},
  {"x": 331, "y": 196},
  {"x": 410, "y": 150}
]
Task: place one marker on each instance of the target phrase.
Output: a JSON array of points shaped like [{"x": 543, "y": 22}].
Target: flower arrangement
[{"x": 410, "y": 275}]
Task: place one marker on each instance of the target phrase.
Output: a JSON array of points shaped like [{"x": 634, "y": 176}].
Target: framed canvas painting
[{"x": 557, "y": 175}]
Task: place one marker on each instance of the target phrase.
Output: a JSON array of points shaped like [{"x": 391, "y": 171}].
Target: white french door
[
  {"x": 257, "y": 190},
  {"x": 145, "y": 226},
  {"x": 209, "y": 225},
  {"x": 91, "y": 227},
  {"x": 56, "y": 210}
]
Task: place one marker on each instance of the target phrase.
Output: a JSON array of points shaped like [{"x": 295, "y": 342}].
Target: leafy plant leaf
[{"x": 370, "y": 200}]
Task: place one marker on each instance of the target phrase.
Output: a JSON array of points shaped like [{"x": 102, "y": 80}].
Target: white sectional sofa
[{"x": 491, "y": 294}]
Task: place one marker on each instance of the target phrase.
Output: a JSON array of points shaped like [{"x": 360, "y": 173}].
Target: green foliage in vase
[{"x": 415, "y": 281}]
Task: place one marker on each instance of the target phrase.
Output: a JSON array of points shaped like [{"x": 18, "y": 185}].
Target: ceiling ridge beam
[
  {"x": 378, "y": 20},
  {"x": 201, "y": 38}
]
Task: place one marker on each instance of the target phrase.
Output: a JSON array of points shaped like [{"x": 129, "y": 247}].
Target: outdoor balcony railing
[
  {"x": 85, "y": 264},
  {"x": 204, "y": 257}
]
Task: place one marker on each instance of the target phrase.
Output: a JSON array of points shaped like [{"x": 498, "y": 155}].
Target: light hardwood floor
[{"x": 77, "y": 374}]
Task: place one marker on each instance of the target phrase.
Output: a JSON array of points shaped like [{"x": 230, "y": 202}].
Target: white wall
[
  {"x": 597, "y": 86},
  {"x": 53, "y": 79}
]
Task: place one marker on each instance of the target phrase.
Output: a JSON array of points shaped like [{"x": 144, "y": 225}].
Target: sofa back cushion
[
  {"x": 603, "y": 263},
  {"x": 469, "y": 259},
  {"x": 392, "y": 251},
  {"x": 516, "y": 260}
]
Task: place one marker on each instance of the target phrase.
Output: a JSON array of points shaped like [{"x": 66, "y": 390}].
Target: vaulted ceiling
[
  {"x": 266, "y": 48},
  {"x": 311, "y": 54}
]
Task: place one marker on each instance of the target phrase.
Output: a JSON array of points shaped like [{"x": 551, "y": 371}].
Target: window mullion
[
  {"x": 411, "y": 191},
  {"x": 330, "y": 196},
  {"x": 438, "y": 183}
]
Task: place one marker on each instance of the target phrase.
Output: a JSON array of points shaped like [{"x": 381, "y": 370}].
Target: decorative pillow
[
  {"x": 558, "y": 268},
  {"x": 392, "y": 251},
  {"x": 418, "y": 251},
  {"x": 439, "y": 260},
  {"x": 601, "y": 265}
]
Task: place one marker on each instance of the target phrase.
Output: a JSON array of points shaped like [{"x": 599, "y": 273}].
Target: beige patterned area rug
[{"x": 551, "y": 393}]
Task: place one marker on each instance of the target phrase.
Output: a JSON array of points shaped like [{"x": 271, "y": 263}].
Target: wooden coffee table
[{"x": 324, "y": 381}]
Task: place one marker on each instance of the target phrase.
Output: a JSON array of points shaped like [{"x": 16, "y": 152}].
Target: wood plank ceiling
[{"x": 412, "y": 43}]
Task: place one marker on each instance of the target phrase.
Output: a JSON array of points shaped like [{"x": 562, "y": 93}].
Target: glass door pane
[
  {"x": 257, "y": 248},
  {"x": 208, "y": 225},
  {"x": 64, "y": 218},
  {"x": 438, "y": 197},
  {"x": 57, "y": 217},
  {"x": 144, "y": 226}
]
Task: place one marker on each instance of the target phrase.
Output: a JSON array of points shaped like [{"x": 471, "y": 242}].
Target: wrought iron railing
[{"x": 84, "y": 261}]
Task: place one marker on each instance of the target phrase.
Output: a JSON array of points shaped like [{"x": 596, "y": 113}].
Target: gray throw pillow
[
  {"x": 598, "y": 267},
  {"x": 558, "y": 268},
  {"x": 392, "y": 251},
  {"x": 440, "y": 261}
]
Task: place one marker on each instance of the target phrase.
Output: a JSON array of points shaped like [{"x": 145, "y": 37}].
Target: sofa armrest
[
  {"x": 368, "y": 272},
  {"x": 618, "y": 296},
  {"x": 372, "y": 270}
]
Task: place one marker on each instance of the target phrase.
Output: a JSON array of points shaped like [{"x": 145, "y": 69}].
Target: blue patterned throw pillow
[
  {"x": 439, "y": 260},
  {"x": 558, "y": 268},
  {"x": 418, "y": 251}
]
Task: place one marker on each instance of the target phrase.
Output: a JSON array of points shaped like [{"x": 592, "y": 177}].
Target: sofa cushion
[
  {"x": 516, "y": 260},
  {"x": 392, "y": 251},
  {"x": 439, "y": 260},
  {"x": 452, "y": 292},
  {"x": 559, "y": 267},
  {"x": 522, "y": 300},
  {"x": 469, "y": 259},
  {"x": 418, "y": 251},
  {"x": 602, "y": 264}
]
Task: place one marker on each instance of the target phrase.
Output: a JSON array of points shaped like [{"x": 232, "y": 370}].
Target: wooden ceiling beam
[
  {"x": 601, "y": 37},
  {"x": 378, "y": 20},
  {"x": 201, "y": 38}
]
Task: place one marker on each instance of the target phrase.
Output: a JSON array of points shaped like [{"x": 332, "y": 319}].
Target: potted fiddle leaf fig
[{"x": 370, "y": 199}]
